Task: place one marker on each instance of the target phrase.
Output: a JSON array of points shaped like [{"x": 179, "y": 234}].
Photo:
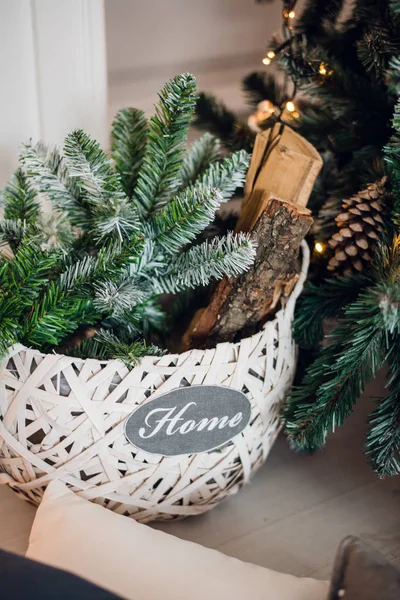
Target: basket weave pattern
[{"x": 63, "y": 418}]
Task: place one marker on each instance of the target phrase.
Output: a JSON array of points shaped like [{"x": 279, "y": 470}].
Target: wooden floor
[
  {"x": 293, "y": 514},
  {"x": 298, "y": 507}
]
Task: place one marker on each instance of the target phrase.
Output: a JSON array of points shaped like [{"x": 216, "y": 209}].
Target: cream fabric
[{"x": 140, "y": 563}]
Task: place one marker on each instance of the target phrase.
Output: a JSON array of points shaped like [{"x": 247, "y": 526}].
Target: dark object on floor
[
  {"x": 361, "y": 573},
  {"x": 22, "y": 578}
]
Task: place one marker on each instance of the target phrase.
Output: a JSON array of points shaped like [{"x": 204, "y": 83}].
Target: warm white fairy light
[
  {"x": 318, "y": 247},
  {"x": 268, "y": 57},
  {"x": 292, "y": 14},
  {"x": 290, "y": 106}
]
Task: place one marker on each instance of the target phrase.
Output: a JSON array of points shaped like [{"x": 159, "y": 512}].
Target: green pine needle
[
  {"x": 20, "y": 200},
  {"x": 104, "y": 345},
  {"x": 383, "y": 438},
  {"x": 128, "y": 145},
  {"x": 229, "y": 256},
  {"x": 203, "y": 152},
  {"x": 113, "y": 216},
  {"x": 48, "y": 172},
  {"x": 336, "y": 379},
  {"x": 227, "y": 175},
  {"x": 184, "y": 218},
  {"x": 159, "y": 176}
]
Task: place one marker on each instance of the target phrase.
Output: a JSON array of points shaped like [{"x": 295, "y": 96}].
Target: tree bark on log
[{"x": 244, "y": 302}]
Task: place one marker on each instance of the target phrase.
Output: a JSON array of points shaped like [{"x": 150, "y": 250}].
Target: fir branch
[
  {"x": 48, "y": 171},
  {"x": 54, "y": 232},
  {"x": 113, "y": 216},
  {"x": 214, "y": 116},
  {"x": 20, "y": 200},
  {"x": 337, "y": 377},
  {"x": 324, "y": 301},
  {"x": 392, "y": 159},
  {"x": 159, "y": 176},
  {"x": 203, "y": 152},
  {"x": 21, "y": 283},
  {"x": 27, "y": 273},
  {"x": 383, "y": 438},
  {"x": 318, "y": 14},
  {"x": 89, "y": 166},
  {"x": 117, "y": 298},
  {"x": 114, "y": 219},
  {"x": 229, "y": 256},
  {"x": 128, "y": 145},
  {"x": 105, "y": 345},
  {"x": 184, "y": 218},
  {"x": 56, "y": 316},
  {"x": 260, "y": 85},
  {"x": 12, "y": 232},
  {"x": 226, "y": 175}
]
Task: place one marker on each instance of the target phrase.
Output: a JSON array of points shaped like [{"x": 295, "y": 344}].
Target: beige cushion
[{"x": 141, "y": 563}]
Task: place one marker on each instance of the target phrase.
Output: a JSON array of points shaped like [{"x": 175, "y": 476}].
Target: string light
[
  {"x": 289, "y": 15},
  {"x": 290, "y": 106},
  {"x": 269, "y": 56},
  {"x": 318, "y": 247},
  {"x": 322, "y": 69}
]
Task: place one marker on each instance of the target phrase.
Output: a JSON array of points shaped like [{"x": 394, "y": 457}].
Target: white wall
[
  {"x": 145, "y": 35},
  {"x": 53, "y": 73}
]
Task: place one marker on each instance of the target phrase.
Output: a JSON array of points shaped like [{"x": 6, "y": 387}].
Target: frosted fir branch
[
  {"x": 54, "y": 232},
  {"x": 20, "y": 200},
  {"x": 106, "y": 345},
  {"x": 128, "y": 145},
  {"x": 48, "y": 172},
  {"x": 226, "y": 175},
  {"x": 89, "y": 165},
  {"x": 184, "y": 218},
  {"x": 228, "y": 256},
  {"x": 12, "y": 232},
  {"x": 87, "y": 270},
  {"x": 383, "y": 438},
  {"x": 203, "y": 152},
  {"x": 111, "y": 212},
  {"x": 159, "y": 178},
  {"x": 114, "y": 219},
  {"x": 116, "y": 298}
]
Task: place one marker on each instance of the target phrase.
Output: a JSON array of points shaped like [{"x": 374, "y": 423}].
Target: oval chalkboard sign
[{"x": 188, "y": 420}]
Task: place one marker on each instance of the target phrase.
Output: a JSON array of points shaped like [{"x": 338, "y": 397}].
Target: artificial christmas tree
[{"x": 340, "y": 84}]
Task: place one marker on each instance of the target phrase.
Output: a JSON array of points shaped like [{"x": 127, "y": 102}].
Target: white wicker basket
[{"x": 63, "y": 418}]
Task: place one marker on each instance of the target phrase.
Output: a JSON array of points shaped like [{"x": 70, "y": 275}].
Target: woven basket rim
[{"x": 287, "y": 307}]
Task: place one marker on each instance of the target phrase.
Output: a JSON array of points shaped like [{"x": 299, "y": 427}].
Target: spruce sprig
[
  {"x": 128, "y": 145},
  {"x": 159, "y": 176},
  {"x": 118, "y": 237}
]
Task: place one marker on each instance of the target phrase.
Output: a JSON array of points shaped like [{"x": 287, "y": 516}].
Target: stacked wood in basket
[{"x": 279, "y": 182}]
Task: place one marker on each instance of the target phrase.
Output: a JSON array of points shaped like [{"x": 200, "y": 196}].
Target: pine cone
[{"x": 359, "y": 228}]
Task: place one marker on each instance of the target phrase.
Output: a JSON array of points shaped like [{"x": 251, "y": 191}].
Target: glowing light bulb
[
  {"x": 290, "y": 106},
  {"x": 322, "y": 69},
  {"x": 319, "y": 247},
  {"x": 271, "y": 54},
  {"x": 292, "y": 14},
  {"x": 266, "y": 60}
]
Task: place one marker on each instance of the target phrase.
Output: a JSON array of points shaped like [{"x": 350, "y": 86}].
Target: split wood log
[
  {"x": 244, "y": 302},
  {"x": 284, "y": 166},
  {"x": 279, "y": 181}
]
